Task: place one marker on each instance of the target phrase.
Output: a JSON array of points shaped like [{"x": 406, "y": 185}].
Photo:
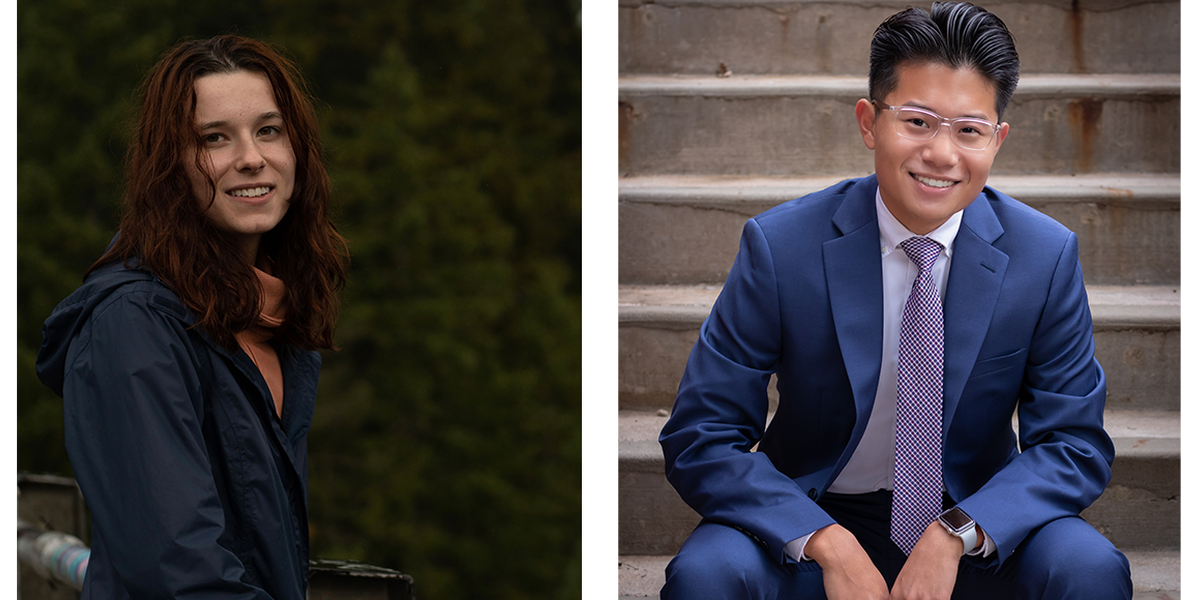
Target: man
[{"x": 907, "y": 315}]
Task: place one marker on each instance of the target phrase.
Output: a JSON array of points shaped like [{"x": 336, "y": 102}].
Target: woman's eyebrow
[{"x": 267, "y": 116}]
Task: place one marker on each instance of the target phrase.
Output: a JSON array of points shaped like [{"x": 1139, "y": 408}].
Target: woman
[{"x": 187, "y": 360}]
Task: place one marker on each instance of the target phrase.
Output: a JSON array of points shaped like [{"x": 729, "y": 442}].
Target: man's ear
[
  {"x": 864, "y": 111},
  {"x": 1000, "y": 135}
]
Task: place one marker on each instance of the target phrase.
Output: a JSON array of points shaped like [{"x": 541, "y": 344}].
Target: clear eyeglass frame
[{"x": 928, "y": 134}]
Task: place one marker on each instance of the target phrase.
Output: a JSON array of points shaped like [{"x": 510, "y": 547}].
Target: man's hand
[
  {"x": 847, "y": 571},
  {"x": 932, "y": 567}
]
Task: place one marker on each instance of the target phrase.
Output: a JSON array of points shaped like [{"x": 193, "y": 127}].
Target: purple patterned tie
[{"x": 917, "y": 493}]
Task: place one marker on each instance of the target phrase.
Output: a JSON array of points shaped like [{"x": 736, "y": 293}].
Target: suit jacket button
[{"x": 812, "y": 493}]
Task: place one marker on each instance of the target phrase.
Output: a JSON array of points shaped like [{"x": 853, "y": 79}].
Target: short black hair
[{"x": 957, "y": 34}]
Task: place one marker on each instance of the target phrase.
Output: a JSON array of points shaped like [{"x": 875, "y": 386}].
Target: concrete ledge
[
  {"x": 1155, "y": 575},
  {"x": 1113, "y": 306},
  {"x": 761, "y": 193}
]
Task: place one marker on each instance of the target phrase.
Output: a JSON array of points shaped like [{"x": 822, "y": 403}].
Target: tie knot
[{"x": 922, "y": 251}]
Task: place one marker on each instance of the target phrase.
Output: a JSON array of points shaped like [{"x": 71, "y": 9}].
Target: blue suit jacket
[{"x": 804, "y": 299}]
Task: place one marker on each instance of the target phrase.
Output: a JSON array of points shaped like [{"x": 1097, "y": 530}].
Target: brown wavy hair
[{"x": 163, "y": 226}]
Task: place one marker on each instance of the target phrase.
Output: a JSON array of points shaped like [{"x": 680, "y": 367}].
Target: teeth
[
  {"x": 250, "y": 192},
  {"x": 934, "y": 182}
]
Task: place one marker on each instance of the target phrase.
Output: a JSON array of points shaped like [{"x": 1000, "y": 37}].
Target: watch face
[{"x": 956, "y": 519}]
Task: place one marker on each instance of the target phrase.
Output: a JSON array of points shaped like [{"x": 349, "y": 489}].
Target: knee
[
  {"x": 1101, "y": 562},
  {"x": 1072, "y": 560},
  {"x": 717, "y": 562},
  {"x": 1097, "y": 574}
]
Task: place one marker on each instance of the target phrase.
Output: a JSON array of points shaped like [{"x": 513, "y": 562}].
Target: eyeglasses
[{"x": 920, "y": 124}]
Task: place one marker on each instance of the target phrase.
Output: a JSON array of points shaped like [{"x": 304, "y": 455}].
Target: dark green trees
[{"x": 447, "y": 436}]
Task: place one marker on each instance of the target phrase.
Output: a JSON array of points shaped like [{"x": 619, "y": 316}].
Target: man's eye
[
  {"x": 917, "y": 122},
  {"x": 974, "y": 130}
]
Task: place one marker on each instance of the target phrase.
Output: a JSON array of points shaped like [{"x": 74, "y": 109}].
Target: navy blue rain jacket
[{"x": 197, "y": 489}]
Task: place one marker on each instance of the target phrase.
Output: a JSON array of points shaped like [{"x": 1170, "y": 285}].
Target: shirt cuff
[{"x": 795, "y": 548}]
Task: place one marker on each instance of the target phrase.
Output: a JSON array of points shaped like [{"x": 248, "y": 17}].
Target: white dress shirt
[{"x": 872, "y": 466}]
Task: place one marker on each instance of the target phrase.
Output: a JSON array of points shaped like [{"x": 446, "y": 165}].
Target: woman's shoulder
[
  {"x": 126, "y": 303},
  {"x": 124, "y": 286}
]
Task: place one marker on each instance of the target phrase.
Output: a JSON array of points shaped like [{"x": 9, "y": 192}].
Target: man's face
[{"x": 923, "y": 182}]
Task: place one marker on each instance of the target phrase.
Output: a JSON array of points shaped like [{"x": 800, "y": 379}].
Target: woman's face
[{"x": 246, "y": 154}]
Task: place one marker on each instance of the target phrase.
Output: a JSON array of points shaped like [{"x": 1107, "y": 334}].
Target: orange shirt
[{"x": 256, "y": 341}]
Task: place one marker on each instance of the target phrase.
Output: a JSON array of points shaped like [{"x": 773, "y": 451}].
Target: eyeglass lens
[{"x": 917, "y": 124}]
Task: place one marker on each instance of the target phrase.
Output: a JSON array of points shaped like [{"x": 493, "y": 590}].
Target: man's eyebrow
[
  {"x": 267, "y": 116},
  {"x": 980, "y": 116}
]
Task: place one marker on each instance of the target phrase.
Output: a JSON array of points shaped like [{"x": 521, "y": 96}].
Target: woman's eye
[
  {"x": 269, "y": 130},
  {"x": 212, "y": 138}
]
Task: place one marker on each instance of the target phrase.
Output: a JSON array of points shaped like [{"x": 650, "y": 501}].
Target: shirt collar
[{"x": 892, "y": 232}]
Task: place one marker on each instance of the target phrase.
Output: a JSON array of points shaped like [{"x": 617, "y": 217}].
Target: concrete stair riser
[
  {"x": 1142, "y": 366},
  {"x": 695, "y": 37},
  {"x": 1126, "y": 237},
  {"x": 1139, "y": 509},
  {"x": 806, "y": 126},
  {"x": 1137, "y": 342},
  {"x": 1140, "y": 506},
  {"x": 653, "y": 519}
]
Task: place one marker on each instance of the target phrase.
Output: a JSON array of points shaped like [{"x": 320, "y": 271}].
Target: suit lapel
[
  {"x": 976, "y": 274},
  {"x": 854, "y": 275}
]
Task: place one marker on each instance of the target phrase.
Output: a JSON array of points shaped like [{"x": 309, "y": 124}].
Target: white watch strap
[{"x": 969, "y": 538}]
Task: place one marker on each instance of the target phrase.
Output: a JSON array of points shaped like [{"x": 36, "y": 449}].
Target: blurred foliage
[{"x": 447, "y": 436}]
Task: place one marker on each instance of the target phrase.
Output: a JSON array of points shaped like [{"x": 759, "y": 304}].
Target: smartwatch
[{"x": 961, "y": 526}]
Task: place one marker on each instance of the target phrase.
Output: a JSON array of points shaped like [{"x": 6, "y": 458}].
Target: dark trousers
[{"x": 1066, "y": 558}]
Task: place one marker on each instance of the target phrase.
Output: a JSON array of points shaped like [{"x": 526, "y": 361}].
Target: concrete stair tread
[
  {"x": 1112, "y": 306},
  {"x": 1155, "y": 575},
  {"x": 1134, "y": 432},
  {"x": 1118, "y": 85},
  {"x": 730, "y": 190}
]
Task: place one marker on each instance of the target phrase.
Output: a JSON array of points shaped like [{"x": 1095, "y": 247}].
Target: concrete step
[
  {"x": 1155, "y": 575},
  {"x": 685, "y": 229},
  {"x": 695, "y": 37},
  {"x": 1137, "y": 331},
  {"x": 1139, "y": 509},
  {"x": 804, "y": 125}
]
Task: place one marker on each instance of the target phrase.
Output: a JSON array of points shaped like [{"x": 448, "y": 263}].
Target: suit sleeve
[
  {"x": 133, "y": 413},
  {"x": 721, "y": 410},
  {"x": 1066, "y": 456}
]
